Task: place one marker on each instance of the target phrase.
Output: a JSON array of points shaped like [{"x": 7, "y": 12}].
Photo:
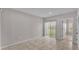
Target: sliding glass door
[{"x": 50, "y": 29}]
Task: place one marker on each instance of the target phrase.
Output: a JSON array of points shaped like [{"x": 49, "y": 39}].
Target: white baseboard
[
  {"x": 18, "y": 42},
  {"x": 15, "y": 43}
]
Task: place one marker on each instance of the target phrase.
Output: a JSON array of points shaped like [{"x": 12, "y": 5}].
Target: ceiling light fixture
[{"x": 50, "y": 13}]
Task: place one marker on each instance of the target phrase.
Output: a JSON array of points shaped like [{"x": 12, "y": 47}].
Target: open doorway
[
  {"x": 50, "y": 29},
  {"x": 68, "y": 28}
]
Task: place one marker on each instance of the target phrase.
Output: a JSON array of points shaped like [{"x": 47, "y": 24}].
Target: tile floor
[{"x": 43, "y": 44}]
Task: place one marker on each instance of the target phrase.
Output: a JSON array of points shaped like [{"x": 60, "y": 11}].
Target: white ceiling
[{"x": 45, "y": 12}]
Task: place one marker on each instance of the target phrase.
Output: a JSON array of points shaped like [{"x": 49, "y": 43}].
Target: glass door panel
[{"x": 50, "y": 29}]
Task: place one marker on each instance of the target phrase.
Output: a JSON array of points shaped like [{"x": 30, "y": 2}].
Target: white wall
[
  {"x": 78, "y": 26},
  {"x": 0, "y": 28},
  {"x": 18, "y": 26},
  {"x": 59, "y": 29}
]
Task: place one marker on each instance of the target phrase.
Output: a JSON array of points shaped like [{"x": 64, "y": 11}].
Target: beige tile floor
[{"x": 44, "y": 43}]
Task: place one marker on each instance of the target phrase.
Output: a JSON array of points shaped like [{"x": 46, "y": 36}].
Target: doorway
[
  {"x": 68, "y": 29},
  {"x": 50, "y": 29}
]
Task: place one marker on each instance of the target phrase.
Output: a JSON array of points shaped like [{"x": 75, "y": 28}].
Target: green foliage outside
[{"x": 51, "y": 31}]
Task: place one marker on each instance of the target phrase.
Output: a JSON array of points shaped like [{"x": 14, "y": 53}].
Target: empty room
[{"x": 39, "y": 28}]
